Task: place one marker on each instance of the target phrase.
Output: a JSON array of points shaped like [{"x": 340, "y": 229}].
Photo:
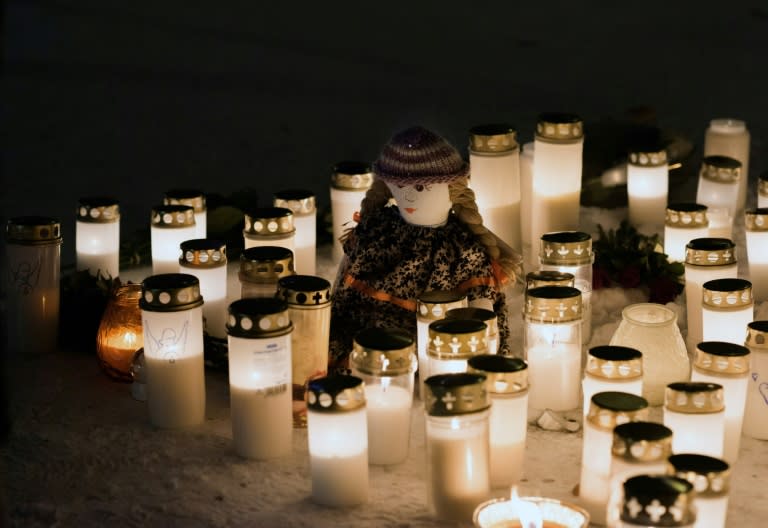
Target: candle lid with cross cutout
[
  {"x": 456, "y": 338},
  {"x": 456, "y": 394},
  {"x": 553, "y": 304},
  {"x": 432, "y": 305},
  {"x": 657, "y": 500},
  {"x": 710, "y": 251},
  {"x": 383, "y": 352},
  {"x": 566, "y": 248},
  {"x": 304, "y": 291}
]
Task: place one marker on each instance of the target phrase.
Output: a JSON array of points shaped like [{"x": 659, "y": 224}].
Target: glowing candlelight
[{"x": 529, "y": 512}]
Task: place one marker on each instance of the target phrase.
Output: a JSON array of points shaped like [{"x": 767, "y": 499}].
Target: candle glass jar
[
  {"x": 507, "y": 385},
  {"x": 612, "y": 369},
  {"x": 647, "y": 188},
  {"x": 727, "y": 307},
  {"x": 728, "y": 365},
  {"x": 431, "y": 306},
  {"x": 695, "y": 411},
  {"x": 652, "y": 329},
  {"x": 730, "y": 137},
  {"x": 762, "y": 190},
  {"x": 32, "y": 271},
  {"x": 710, "y": 478},
  {"x": 682, "y": 223},
  {"x": 524, "y": 511},
  {"x": 171, "y": 225},
  {"x": 309, "y": 307},
  {"x": 705, "y": 259},
  {"x": 206, "y": 259},
  {"x": 557, "y": 166},
  {"x": 756, "y": 409},
  {"x": 653, "y": 501},
  {"x": 269, "y": 226},
  {"x": 385, "y": 360},
  {"x": 302, "y": 204},
  {"x": 534, "y": 279},
  {"x": 480, "y": 314},
  {"x": 97, "y": 236},
  {"x": 337, "y": 434},
  {"x": 756, "y": 225},
  {"x": 350, "y": 180},
  {"x": 606, "y": 411},
  {"x": 120, "y": 332},
  {"x": 261, "y": 268},
  {"x": 172, "y": 314},
  {"x": 259, "y": 353},
  {"x": 452, "y": 342},
  {"x": 552, "y": 345},
  {"x": 571, "y": 252},
  {"x": 457, "y": 440},
  {"x": 719, "y": 182},
  {"x": 196, "y": 200},
  {"x": 494, "y": 160}
]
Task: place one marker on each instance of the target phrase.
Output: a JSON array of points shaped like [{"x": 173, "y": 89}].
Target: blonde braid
[
  {"x": 376, "y": 197},
  {"x": 465, "y": 209}
]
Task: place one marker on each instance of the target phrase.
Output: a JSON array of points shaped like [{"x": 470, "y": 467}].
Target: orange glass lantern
[{"x": 120, "y": 333}]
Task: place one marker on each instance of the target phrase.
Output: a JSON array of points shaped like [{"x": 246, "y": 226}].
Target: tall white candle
[
  {"x": 730, "y": 137},
  {"x": 452, "y": 342},
  {"x": 269, "y": 226},
  {"x": 756, "y": 224},
  {"x": 719, "y": 182},
  {"x": 756, "y": 411},
  {"x": 696, "y": 413},
  {"x": 557, "y": 168},
  {"x": 259, "y": 377},
  {"x": 710, "y": 478},
  {"x": 97, "y": 233},
  {"x": 647, "y": 188},
  {"x": 261, "y": 268},
  {"x": 612, "y": 369},
  {"x": 195, "y": 199},
  {"x": 206, "y": 259},
  {"x": 350, "y": 180},
  {"x": 170, "y": 226},
  {"x": 683, "y": 222},
  {"x": 481, "y": 314},
  {"x": 494, "y": 160},
  {"x": 727, "y": 308},
  {"x": 302, "y": 203},
  {"x": 530, "y": 254},
  {"x": 338, "y": 440}
]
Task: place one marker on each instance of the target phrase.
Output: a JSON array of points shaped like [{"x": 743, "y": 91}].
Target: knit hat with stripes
[{"x": 419, "y": 156}]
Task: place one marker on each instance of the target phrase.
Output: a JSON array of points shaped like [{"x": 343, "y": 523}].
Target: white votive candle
[
  {"x": 195, "y": 199},
  {"x": 647, "y": 188},
  {"x": 710, "y": 478},
  {"x": 727, "y": 308},
  {"x": 756, "y": 225},
  {"x": 696, "y": 414},
  {"x": 452, "y": 342},
  {"x": 530, "y": 254},
  {"x": 481, "y": 314},
  {"x": 302, "y": 203},
  {"x": 683, "y": 222},
  {"x": 261, "y": 268},
  {"x": 350, "y": 180},
  {"x": 206, "y": 259},
  {"x": 756, "y": 411},
  {"x": 170, "y": 226},
  {"x": 97, "y": 233},
  {"x": 730, "y": 137},
  {"x": 269, "y": 226},
  {"x": 718, "y": 189},
  {"x": 612, "y": 368}
]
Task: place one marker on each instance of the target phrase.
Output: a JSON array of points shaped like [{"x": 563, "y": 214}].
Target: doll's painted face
[{"x": 425, "y": 205}]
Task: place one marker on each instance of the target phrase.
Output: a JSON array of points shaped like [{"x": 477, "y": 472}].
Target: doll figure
[{"x": 419, "y": 229}]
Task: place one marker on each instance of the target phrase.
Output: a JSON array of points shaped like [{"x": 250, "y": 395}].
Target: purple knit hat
[{"x": 419, "y": 156}]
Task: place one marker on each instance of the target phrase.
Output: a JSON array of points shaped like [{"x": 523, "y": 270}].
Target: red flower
[
  {"x": 600, "y": 278},
  {"x": 663, "y": 290},
  {"x": 629, "y": 277}
]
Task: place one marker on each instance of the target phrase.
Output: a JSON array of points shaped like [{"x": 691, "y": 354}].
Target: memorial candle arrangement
[
  {"x": 552, "y": 344},
  {"x": 762, "y": 190},
  {"x": 719, "y": 188},
  {"x": 431, "y": 306},
  {"x": 172, "y": 313},
  {"x": 337, "y": 433},
  {"x": 97, "y": 236},
  {"x": 710, "y": 478},
  {"x": 309, "y": 307},
  {"x": 695, "y": 411},
  {"x": 33, "y": 253},
  {"x": 120, "y": 332},
  {"x": 756, "y": 412},
  {"x": 756, "y": 225},
  {"x": 302, "y": 203},
  {"x": 705, "y": 259},
  {"x": 170, "y": 226},
  {"x": 647, "y": 188},
  {"x": 606, "y": 411},
  {"x": 727, "y": 307},
  {"x": 730, "y": 137},
  {"x": 206, "y": 259},
  {"x": 728, "y": 365},
  {"x": 494, "y": 160},
  {"x": 480, "y": 314},
  {"x": 683, "y": 222},
  {"x": 507, "y": 385},
  {"x": 385, "y": 360},
  {"x": 350, "y": 180},
  {"x": 457, "y": 444},
  {"x": 269, "y": 226},
  {"x": 259, "y": 353},
  {"x": 452, "y": 342},
  {"x": 557, "y": 167},
  {"x": 654, "y": 501},
  {"x": 261, "y": 268},
  {"x": 612, "y": 369},
  {"x": 196, "y": 200}
]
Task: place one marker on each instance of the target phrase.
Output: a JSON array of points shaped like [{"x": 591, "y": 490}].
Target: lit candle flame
[
  {"x": 129, "y": 338},
  {"x": 527, "y": 512}
]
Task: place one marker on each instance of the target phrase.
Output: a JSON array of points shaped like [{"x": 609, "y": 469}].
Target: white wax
[
  {"x": 734, "y": 397},
  {"x": 711, "y": 512},
  {"x": 720, "y": 222},
  {"x": 257, "y": 289},
  {"x": 201, "y": 224},
  {"x": 757, "y": 255},
  {"x": 508, "y": 430},
  {"x": 756, "y": 411},
  {"x": 98, "y": 247},
  {"x": 647, "y": 190},
  {"x": 389, "y": 423},
  {"x": 165, "y": 247},
  {"x": 496, "y": 183},
  {"x": 695, "y": 276},
  {"x": 730, "y": 137},
  {"x": 309, "y": 343},
  {"x": 175, "y": 391},
  {"x": 556, "y": 186},
  {"x": 762, "y": 200},
  {"x": 591, "y": 385},
  {"x": 553, "y": 212},
  {"x": 526, "y": 197},
  {"x": 728, "y": 325},
  {"x": 696, "y": 433},
  {"x": 718, "y": 195},
  {"x": 622, "y": 470},
  {"x": 261, "y": 421},
  {"x": 504, "y": 221},
  {"x": 213, "y": 288},
  {"x": 287, "y": 241},
  {"x": 344, "y": 205},
  {"x": 304, "y": 254},
  {"x": 422, "y": 340},
  {"x": 554, "y": 375},
  {"x": 458, "y": 476},
  {"x": 582, "y": 282},
  {"x": 676, "y": 238},
  {"x": 446, "y": 366}
]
